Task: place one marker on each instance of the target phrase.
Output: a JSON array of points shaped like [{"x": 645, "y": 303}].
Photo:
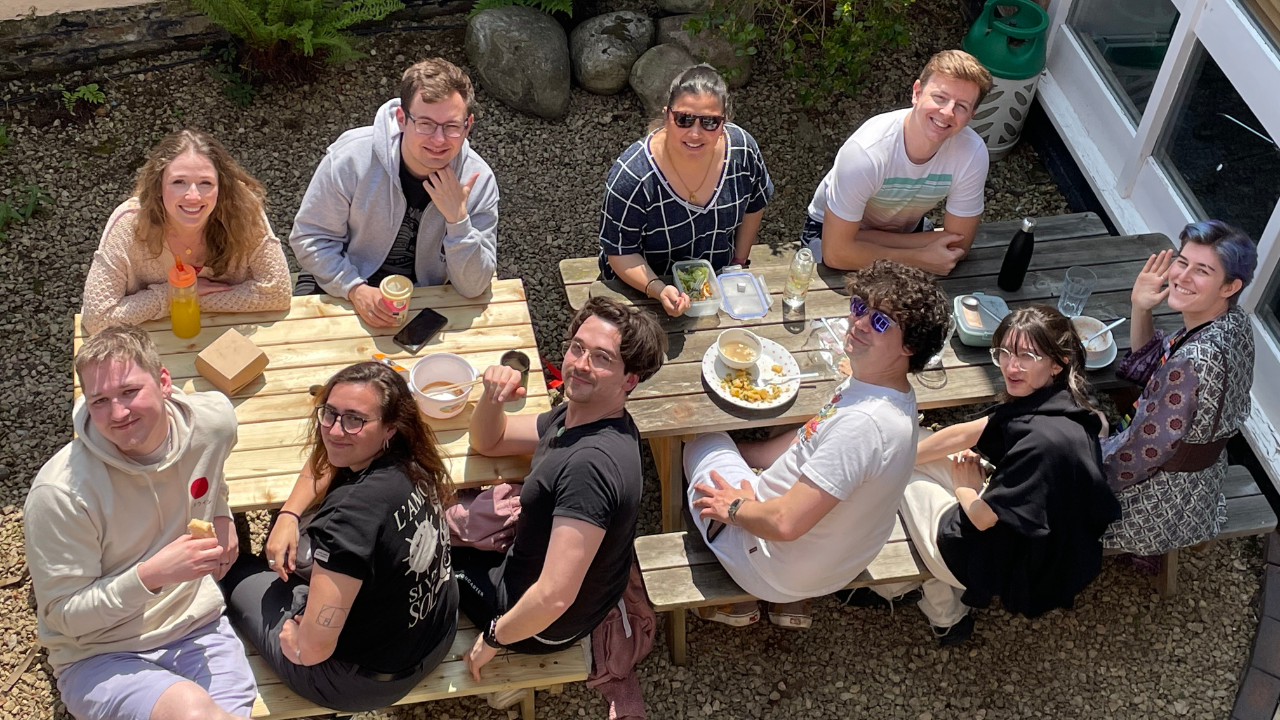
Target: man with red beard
[{"x": 571, "y": 558}]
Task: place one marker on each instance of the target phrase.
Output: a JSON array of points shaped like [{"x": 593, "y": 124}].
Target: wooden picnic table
[
  {"x": 674, "y": 404},
  {"x": 320, "y": 335}
]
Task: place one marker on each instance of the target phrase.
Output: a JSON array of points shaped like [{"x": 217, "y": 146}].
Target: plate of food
[{"x": 740, "y": 364}]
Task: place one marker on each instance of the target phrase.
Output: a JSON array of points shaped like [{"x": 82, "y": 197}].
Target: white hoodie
[{"x": 93, "y": 515}]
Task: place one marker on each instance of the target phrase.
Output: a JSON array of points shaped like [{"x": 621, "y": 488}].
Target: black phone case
[{"x": 419, "y": 331}]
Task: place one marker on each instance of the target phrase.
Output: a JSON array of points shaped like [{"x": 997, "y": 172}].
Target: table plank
[
  {"x": 292, "y": 407},
  {"x": 465, "y": 470}
]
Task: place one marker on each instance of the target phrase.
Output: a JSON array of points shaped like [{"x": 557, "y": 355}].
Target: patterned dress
[{"x": 1199, "y": 394}]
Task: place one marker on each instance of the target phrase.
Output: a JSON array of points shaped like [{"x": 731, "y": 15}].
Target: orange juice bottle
[{"x": 184, "y": 303}]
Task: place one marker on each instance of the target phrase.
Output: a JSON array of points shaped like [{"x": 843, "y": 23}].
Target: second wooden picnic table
[{"x": 674, "y": 404}]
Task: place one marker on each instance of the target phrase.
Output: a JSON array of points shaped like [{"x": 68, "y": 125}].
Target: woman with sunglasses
[
  {"x": 1032, "y": 536},
  {"x": 193, "y": 203},
  {"x": 355, "y": 601},
  {"x": 695, "y": 187}
]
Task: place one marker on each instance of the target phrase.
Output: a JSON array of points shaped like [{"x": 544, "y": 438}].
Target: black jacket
[{"x": 1052, "y": 501}]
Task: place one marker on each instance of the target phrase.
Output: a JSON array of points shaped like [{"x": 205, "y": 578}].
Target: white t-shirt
[
  {"x": 860, "y": 448},
  {"x": 874, "y": 183}
]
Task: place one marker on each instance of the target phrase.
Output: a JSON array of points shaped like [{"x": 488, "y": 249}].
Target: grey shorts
[{"x": 126, "y": 685}]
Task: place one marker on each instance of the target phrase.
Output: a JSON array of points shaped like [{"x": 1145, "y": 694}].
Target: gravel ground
[{"x": 1122, "y": 653}]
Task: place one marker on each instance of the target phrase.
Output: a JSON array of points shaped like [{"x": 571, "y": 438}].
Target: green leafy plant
[
  {"x": 237, "y": 81},
  {"x": 88, "y": 93},
  {"x": 280, "y": 36},
  {"x": 826, "y": 46},
  {"x": 546, "y": 6},
  {"x": 22, "y": 207},
  {"x": 4, "y": 138}
]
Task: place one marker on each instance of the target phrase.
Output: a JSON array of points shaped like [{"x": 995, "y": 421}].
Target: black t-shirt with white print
[
  {"x": 376, "y": 526},
  {"x": 402, "y": 258}
]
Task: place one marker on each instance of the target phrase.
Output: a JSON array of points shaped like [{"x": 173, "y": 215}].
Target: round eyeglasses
[
  {"x": 427, "y": 126},
  {"x": 351, "y": 424},
  {"x": 1002, "y": 356}
]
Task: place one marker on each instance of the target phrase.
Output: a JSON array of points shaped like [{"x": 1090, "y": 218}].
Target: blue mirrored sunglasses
[{"x": 879, "y": 321}]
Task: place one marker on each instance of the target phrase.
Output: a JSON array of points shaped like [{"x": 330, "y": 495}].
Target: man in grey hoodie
[
  {"x": 126, "y": 598},
  {"x": 404, "y": 196}
]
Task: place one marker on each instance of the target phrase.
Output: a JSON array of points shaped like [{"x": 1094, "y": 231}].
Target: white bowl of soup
[
  {"x": 439, "y": 370},
  {"x": 1097, "y": 348},
  {"x": 739, "y": 349}
]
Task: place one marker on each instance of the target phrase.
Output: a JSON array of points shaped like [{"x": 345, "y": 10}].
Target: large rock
[
  {"x": 521, "y": 56},
  {"x": 684, "y": 6},
  {"x": 603, "y": 49},
  {"x": 705, "y": 47},
  {"x": 652, "y": 74}
]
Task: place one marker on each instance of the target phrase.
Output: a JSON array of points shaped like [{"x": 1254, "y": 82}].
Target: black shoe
[
  {"x": 956, "y": 634},
  {"x": 866, "y": 597}
]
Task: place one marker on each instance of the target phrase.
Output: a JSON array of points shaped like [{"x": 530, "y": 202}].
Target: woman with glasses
[
  {"x": 192, "y": 203},
  {"x": 1030, "y": 533},
  {"x": 695, "y": 187},
  {"x": 355, "y": 601},
  {"x": 1167, "y": 465}
]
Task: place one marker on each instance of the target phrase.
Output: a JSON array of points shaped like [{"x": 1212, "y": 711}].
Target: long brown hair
[
  {"x": 235, "y": 226},
  {"x": 414, "y": 444},
  {"x": 1052, "y": 335}
]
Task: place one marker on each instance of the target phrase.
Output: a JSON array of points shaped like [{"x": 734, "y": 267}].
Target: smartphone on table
[{"x": 419, "y": 331}]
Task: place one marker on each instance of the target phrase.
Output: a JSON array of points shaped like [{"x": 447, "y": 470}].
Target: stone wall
[{"x": 58, "y": 43}]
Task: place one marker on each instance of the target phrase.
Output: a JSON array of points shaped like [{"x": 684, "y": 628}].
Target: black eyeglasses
[
  {"x": 351, "y": 424},
  {"x": 879, "y": 321},
  {"x": 427, "y": 126},
  {"x": 710, "y": 123}
]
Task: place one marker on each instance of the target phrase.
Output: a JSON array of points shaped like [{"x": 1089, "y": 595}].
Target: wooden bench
[
  {"x": 681, "y": 572},
  {"x": 451, "y": 679}
]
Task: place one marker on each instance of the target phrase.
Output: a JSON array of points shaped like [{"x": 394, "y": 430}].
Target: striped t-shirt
[
  {"x": 875, "y": 184},
  {"x": 642, "y": 214}
]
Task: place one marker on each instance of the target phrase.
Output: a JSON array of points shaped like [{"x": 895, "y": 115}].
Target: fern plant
[
  {"x": 274, "y": 30},
  {"x": 88, "y": 93},
  {"x": 546, "y": 6}
]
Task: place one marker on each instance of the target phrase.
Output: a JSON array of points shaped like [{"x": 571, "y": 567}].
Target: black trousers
[
  {"x": 482, "y": 598},
  {"x": 258, "y": 605}
]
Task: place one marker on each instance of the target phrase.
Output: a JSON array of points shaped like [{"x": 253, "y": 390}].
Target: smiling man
[
  {"x": 126, "y": 598},
  {"x": 897, "y": 166},
  {"x": 571, "y": 558},
  {"x": 404, "y": 196},
  {"x": 824, "y": 505}
]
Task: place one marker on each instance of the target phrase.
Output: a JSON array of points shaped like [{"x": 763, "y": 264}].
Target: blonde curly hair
[{"x": 237, "y": 223}]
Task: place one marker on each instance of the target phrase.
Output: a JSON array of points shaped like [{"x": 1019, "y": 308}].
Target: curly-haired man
[{"x": 825, "y": 503}]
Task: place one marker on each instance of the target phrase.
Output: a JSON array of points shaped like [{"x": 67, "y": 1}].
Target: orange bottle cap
[{"x": 182, "y": 277}]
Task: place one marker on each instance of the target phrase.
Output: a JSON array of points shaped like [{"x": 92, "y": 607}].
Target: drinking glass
[{"x": 1076, "y": 287}]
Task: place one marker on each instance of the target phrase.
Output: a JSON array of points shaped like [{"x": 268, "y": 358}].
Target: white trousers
[
  {"x": 716, "y": 451},
  {"x": 929, "y": 494}
]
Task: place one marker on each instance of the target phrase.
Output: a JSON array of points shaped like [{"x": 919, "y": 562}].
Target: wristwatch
[
  {"x": 733, "y": 510},
  {"x": 491, "y": 634}
]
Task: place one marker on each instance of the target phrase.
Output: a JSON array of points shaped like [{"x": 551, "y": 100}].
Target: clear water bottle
[{"x": 797, "y": 286}]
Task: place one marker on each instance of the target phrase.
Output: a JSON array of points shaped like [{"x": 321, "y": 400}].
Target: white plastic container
[
  {"x": 710, "y": 303},
  {"x": 436, "y": 368},
  {"x": 746, "y": 337}
]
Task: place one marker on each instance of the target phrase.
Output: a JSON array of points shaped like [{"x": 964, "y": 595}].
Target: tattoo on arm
[{"x": 330, "y": 616}]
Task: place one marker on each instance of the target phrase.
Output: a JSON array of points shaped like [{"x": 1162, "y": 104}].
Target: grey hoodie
[
  {"x": 93, "y": 515},
  {"x": 354, "y": 207}
]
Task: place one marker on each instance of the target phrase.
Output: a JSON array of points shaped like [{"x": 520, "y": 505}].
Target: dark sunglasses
[
  {"x": 879, "y": 321},
  {"x": 710, "y": 123}
]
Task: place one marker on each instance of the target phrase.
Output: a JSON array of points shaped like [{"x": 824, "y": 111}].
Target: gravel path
[{"x": 1122, "y": 653}]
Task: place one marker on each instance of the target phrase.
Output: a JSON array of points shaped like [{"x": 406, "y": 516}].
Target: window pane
[
  {"x": 1216, "y": 151},
  {"x": 1269, "y": 308},
  {"x": 1128, "y": 39}
]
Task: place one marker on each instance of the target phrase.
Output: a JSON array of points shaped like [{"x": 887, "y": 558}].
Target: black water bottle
[{"x": 1018, "y": 257}]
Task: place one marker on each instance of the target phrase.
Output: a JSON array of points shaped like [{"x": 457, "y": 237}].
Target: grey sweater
[{"x": 355, "y": 205}]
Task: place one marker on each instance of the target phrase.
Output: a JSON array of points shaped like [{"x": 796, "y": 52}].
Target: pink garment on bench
[
  {"x": 618, "y": 644},
  {"x": 485, "y": 520}
]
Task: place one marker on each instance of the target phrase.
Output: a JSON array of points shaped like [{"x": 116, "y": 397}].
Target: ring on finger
[{"x": 271, "y": 563}]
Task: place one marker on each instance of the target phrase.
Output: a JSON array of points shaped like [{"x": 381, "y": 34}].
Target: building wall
[{"x": 12, "y": 9}]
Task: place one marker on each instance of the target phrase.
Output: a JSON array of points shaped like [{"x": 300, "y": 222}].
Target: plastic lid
[
  {"x": 182, "y": 277},
  {"x": 396, "y": 287},
  {"x": 741, "y": 296}
]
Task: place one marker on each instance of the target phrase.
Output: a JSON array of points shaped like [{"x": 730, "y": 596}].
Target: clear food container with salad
[{"x": 697, "y": 279}]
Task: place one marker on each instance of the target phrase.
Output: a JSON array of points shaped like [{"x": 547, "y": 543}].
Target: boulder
[
  {"x": 684, "y": 6},
  {"x": 705, "y": 47},
  {"x": 652, "y": 74},
  {"x": 603, "y": 49},
  {"x": 521, "y": 56}
]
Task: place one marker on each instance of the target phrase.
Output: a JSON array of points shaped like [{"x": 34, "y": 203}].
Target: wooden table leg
[
  {"x": 676, "y": 635},
  {"x": 526, "y": 705},
  {"x": 668, "y": 456},
  {"x": 1167, "y": 581}
]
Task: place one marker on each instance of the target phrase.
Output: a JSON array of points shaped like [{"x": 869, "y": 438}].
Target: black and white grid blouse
[{"x": 642, "y": 214}]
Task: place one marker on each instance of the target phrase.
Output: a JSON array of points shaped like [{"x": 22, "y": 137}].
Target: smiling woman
[{"x": 193, "y": 204}]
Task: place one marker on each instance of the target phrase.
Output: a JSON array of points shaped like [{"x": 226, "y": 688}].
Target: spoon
[
  {"x": 1103, "y": 331},
  {"x": 974, "y": 303}
]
